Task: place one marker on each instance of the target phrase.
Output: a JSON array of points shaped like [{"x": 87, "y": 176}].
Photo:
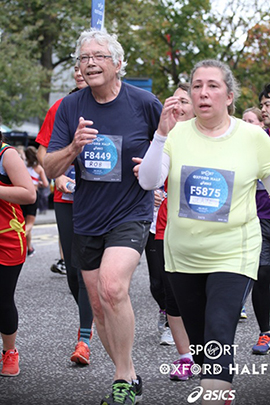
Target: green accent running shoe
[
  {"x": 123, "y": 393},
  {"x": 138, "y": 389}
]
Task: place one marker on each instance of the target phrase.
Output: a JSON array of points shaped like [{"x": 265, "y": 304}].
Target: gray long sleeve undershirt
[{"x": 154, "y": 168}]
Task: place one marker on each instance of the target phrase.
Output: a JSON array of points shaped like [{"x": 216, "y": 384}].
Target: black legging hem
[{"x": 210, "y": 306}]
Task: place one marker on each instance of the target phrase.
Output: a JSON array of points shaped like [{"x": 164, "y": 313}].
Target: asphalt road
[{"x": 48, "y": 323}]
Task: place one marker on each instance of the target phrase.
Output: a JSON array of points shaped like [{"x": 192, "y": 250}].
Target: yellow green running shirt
[{"x": 212, "y": 218}]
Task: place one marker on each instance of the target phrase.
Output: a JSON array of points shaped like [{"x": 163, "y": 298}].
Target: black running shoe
[
  {"x": 59, "y": 267},
  {"x": 31, "y": 252},
  {"x": 123, "y": 393},
  {"x": 138, "y": 389}
]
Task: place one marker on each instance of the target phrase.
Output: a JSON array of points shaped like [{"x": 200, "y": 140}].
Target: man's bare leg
[{"x": 114, "y": 318}]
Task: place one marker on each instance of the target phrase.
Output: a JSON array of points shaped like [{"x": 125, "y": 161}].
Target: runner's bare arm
[{"x": 57, "y": 162}]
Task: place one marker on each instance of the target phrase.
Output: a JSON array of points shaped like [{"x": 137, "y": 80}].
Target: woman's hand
[{"x": 167, "y": 119}]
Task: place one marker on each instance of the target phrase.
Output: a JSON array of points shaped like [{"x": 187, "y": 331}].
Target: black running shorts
[{"x": 89, "y": 249}]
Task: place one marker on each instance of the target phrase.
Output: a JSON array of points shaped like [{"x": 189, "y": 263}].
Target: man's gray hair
[
  {"x": 228, "y": 77},
  {"x": 103, "y": 38}
]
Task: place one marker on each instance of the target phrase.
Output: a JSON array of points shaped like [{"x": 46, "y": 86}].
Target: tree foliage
[
  {"x": 162, "y": 40},
  {"x": 20, "y": 91},
  {"x": 233, "y": 28},
  {"x": 43, "y": 35},
  {"x": 166, "y": 36},
  {"x": 253, "y": 67}
]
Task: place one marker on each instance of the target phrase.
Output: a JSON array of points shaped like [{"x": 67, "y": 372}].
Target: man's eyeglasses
[{"x": 96, "y": 58}]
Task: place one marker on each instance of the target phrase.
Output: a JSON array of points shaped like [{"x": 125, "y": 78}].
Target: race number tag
[
  {"x": 101, "y": 160},
  {"x": 205, "y": 193}
]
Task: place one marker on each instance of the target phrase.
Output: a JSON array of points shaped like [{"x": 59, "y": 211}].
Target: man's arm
[
  {"x": 57, "y": 162},
  {"x": 41, "y": 152},
  {"x": 61, "y": 181}
]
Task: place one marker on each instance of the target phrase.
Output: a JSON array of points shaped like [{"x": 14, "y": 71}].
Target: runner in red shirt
[{"x": 16, "y": 188}]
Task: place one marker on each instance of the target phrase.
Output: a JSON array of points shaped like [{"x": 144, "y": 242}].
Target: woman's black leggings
[
  {"x": 155, "y": 268},
  {"x": 8, "y": 312},
  {"x": 261, "y": 298},
  {"x": 261, "y": 289},
  {"x": 63, "y": 213},
  {"x": 170, "y": 303},
  {"x": 159, "y": 283},
  {"x": 210, "y": 306}
]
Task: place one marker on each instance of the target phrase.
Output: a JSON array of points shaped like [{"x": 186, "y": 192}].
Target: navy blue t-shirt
[{"x": 107, "y": 192}]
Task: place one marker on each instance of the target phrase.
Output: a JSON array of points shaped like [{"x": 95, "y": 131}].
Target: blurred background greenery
[{"x": 162, "y": 41}]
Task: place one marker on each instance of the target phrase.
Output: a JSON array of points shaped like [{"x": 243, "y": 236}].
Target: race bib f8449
[{"x": 101, "y": 160}]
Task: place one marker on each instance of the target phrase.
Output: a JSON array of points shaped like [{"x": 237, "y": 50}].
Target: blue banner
[{"x": 98, "y": 13}]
